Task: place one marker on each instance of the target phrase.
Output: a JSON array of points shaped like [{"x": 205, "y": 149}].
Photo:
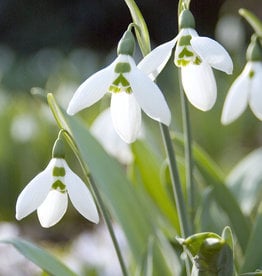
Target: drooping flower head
[
  {"x": 131, "y": 90},
  {"x": 195, "y": 56},
  {"x": 246, "y": 89},
  {"x": 48, "y": 193}
]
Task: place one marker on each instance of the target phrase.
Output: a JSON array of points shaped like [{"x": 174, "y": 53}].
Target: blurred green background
[{"x": 55, "y": 45}]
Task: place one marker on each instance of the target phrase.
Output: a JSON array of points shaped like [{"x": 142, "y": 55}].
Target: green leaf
[
  {"x": 141, "y": 34},
  {"x": 120, "y": 197},
  {"x": 255, "y": 23},
  {"x": 40, "y": 257},
  {"x": 222, "y": 194},
  {"x": 245, "y": 181},
  {"x": 257, "y": 272},
  {"x": 253, "y": 254},
  {"x": 149, "y": 167}
]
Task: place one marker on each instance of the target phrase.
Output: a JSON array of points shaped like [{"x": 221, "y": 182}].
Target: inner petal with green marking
[
  {"x": 59, "y": 186},
  {"x": 184, "y": 53},
  {"x": 121, "y": 83}
]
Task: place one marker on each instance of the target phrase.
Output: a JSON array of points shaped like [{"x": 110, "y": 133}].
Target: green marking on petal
[
  {"x": 251, "y": 74},
  {"x": 59, "y": 171},
  {"x": 182, "y": 62},
  {"x": 185, "y": 40},
  {"x": 197, "y": 60},
  {"x": 185, "y": 53},
  {"x": 120, "y": 84},
  {"x": 122, "y": 67},
  {"x": 59, "y": 185}
]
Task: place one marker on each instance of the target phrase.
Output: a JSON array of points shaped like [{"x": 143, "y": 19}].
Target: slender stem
[
  {"x": 176, "y": 184},
  {"x": 99, "y": 200},
  {"x": 188, "y": 152},
  {"x": 109, "y": 226}
]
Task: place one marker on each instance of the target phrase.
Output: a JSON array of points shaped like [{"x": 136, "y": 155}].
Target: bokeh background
[{"x": 54, "y": 45}]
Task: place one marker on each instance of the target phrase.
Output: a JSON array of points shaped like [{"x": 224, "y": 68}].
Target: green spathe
[
  {"x": 254, "y": 50},
  {"x": 58, "y": 149},
  {"x": 186, "y": 20},
  {"x": 126, "y": 45}
]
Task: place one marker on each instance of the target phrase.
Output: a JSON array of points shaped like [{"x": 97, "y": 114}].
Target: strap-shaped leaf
[{"x": 40, "y": 257}]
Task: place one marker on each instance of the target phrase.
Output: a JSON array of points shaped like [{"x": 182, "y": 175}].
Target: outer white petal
[
  {"x": 80, "y": 196},
  {"x": 255, "y": 100},
  {"x": 237, "y": 98},
  {"x": 149, "y": 96},
  {"x": 35, "y": 192},
  {"x": 153, "y": 63},
  {"x": 213, "y": 53},
  {"x": 92, "y": 90},
  {"x": 126, "y": 116},
  {"x": 199, "y": 85},
  {"x": 52, "y": 209},
  {"x": 102, "y": 128}
]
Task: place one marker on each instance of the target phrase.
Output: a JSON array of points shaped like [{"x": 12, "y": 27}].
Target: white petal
[
  {"x": 153, "y": 63},
  {"x": 237, "y": 98},
  {"x": 80, "y": 196},
  {"x": 255, "y": 101},
  {"x": 199, "y": 85},
  {"x": 149, "y": 96},
  {"x": 213, "y": 53},
  {"x": 52, "y": 209},
  {"x": 92, "y": 90},
  {"x": 35, "y": 192},
  {"x": 126, "y": 116},
  {"x": 102, "y": 128}
]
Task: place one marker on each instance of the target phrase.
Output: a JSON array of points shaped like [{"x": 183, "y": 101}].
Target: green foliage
[
  {"x": 139, "y": 197},
  {"x": 117, "y": 192},
  {"x": 40, "y": 257}
]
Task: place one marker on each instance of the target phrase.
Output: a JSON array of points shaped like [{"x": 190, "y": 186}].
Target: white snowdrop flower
[
  {"x": 131, "y": 89},
  {"x": 48, "y": 193},
  {"x": 246, "y": 89},
  {"x": 195, "y": 56},
  {"x": 102, "y": 128}
]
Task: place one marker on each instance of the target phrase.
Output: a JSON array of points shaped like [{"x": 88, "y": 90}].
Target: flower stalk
[
  {"x": 188, "y": 153},
  {"x": 176, "y": 183},
  {"x": 99, "y": 200}
]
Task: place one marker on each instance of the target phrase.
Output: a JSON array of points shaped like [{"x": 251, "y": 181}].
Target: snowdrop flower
[
  {"x": 246, "y": 89},
  {"x": 131, "y": 89},
  {"x": 48, "y": 193},
  {"x": 195, "y": 56},
  {"x": 102, "y": 128}
]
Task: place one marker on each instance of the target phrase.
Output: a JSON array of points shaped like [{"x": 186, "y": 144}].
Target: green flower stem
[
  {"x": 176, "y": 184},
  {"x": 188, "y": 152},
  {"x": 99, "y": 200}
]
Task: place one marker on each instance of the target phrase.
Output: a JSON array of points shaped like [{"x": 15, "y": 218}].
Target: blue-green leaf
[
  {"x": 253, "y": 254},
  {"x": 40, "y": 257},
  {"x": 127, "y": 206},
  {"x": 245, "y": 181}
]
